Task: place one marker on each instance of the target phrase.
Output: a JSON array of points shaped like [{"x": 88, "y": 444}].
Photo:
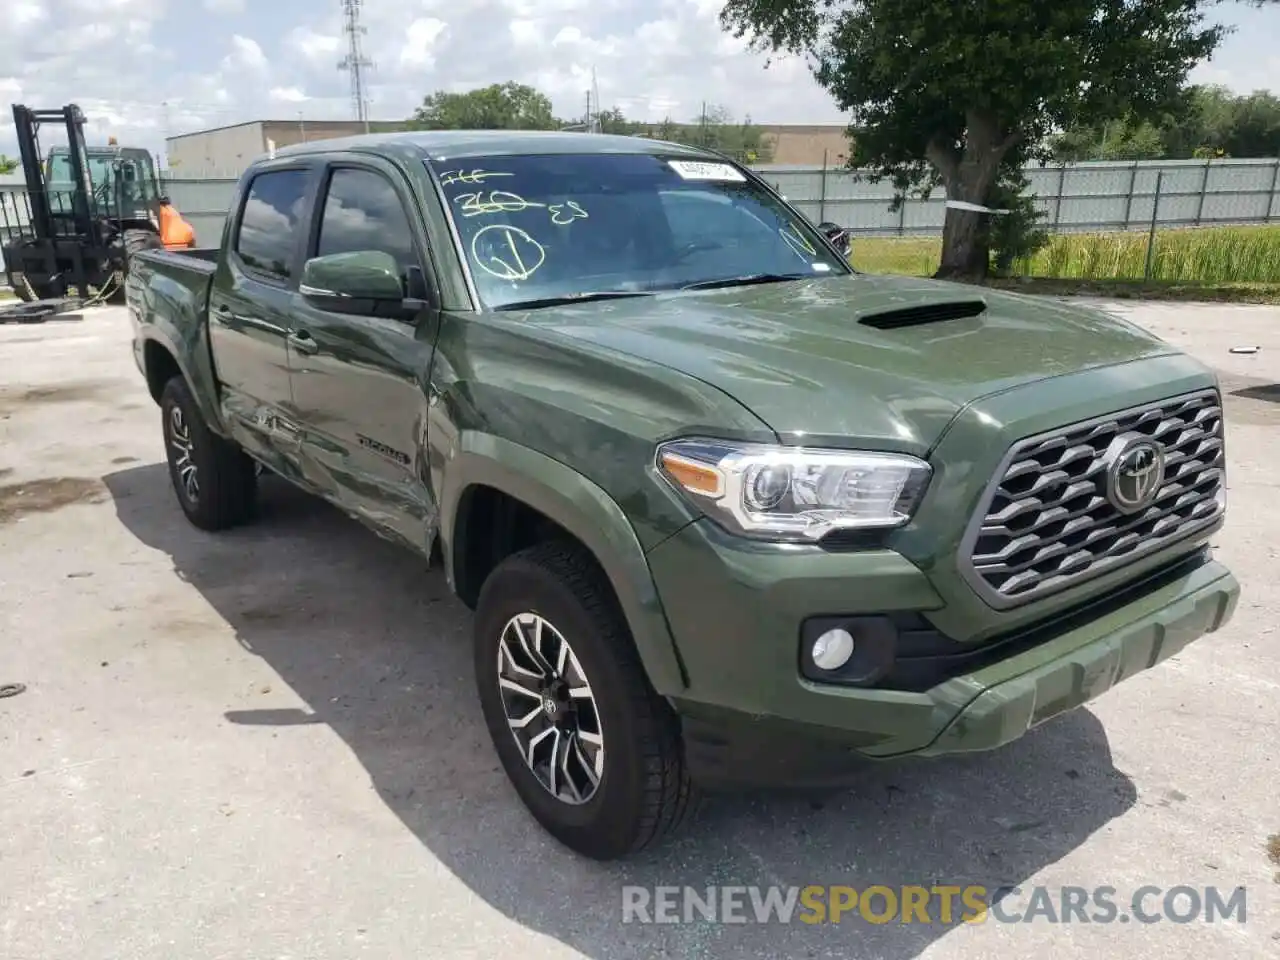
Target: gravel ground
[{"x": 266, "y": 744}]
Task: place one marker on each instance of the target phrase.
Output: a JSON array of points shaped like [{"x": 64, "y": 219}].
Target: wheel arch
[
  {"x": 161, "y": 360},
  {"x": 575, "y": 504}
]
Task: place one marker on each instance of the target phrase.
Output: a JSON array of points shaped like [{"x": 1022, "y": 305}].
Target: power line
[{"x": 355, "y": 62}]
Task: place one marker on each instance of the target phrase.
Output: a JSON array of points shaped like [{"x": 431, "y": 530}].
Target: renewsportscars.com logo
[{"x": 939, "y": 904}]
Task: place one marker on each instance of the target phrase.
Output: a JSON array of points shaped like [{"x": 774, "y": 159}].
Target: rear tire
[
  {"x": 621, "y": 780},
  {"x": 133, "y": 241},
  {"x": 137, "y": 240},
  {"x": 213, "y": 479}
]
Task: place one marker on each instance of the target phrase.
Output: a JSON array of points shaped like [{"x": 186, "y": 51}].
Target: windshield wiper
[
  {"x": 571, "y": 298},
  {"x": 746, "y": 280}
]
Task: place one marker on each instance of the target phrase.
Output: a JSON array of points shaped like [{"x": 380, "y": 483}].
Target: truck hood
[{"x": 819, "y": 361}]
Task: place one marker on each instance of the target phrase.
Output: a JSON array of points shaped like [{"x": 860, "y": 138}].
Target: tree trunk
[
  {"x": 969, "y": 176},
  {"x": 965, "y": 251}
]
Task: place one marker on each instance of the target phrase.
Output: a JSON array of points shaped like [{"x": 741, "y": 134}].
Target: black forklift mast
[{"x": 26, "y": 122}]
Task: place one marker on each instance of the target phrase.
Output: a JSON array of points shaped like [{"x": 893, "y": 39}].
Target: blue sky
[{"x": 141, "y": 68}]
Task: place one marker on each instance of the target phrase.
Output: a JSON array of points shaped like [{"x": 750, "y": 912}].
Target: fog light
[{"x": 832, "y": 650}]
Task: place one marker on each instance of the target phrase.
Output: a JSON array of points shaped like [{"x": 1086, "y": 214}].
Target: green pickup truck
[{"x": 728, "y": 512}]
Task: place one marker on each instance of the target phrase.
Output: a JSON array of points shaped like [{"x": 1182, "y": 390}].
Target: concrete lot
[{"x": 266, "y": 744}]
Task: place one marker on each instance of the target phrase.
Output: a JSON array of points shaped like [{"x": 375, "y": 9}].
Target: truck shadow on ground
[{"x": 374, "y": 643}]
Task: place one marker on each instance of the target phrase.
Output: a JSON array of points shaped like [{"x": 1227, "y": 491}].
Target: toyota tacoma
[{"x": 729, "y": 513}]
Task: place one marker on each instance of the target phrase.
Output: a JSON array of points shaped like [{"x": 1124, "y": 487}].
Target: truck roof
[
  {"x": 452, "y": 144},
  {"x": 59, "y": 150}
]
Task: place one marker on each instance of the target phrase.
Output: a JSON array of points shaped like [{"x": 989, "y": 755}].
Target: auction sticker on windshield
[{"x": 698, "y": 170}]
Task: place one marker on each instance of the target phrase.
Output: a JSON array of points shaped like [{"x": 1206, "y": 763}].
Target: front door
[
  {"x": 249, "y": 304},
  {"x": 359, "y": 382}
]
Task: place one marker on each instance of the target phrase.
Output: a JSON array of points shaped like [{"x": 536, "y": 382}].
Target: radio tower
[{"x": 355, "y": 61}]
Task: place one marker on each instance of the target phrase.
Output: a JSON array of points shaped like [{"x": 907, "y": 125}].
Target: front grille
[{"x": 1047, "y": 523}]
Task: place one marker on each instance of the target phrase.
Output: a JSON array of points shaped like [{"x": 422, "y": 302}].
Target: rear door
[
  {"x": 249, "y": 306},
  {"x": 360, "y": 382}
]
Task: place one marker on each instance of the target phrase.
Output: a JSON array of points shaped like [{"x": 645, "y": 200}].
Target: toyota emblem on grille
[{"x": 1135, "y": 472}]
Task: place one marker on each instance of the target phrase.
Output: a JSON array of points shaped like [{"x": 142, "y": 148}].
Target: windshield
[
  {"x": 134, "y": 177},
  {"x": 61, "y": 177},
  {"x": 550, "y": 226}
]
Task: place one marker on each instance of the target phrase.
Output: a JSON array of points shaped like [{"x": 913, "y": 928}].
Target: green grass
[
  {"x": 910, "y": 256},
  {"x": 1214, "y": 263},
  {"x": 1205, "y": 255}
]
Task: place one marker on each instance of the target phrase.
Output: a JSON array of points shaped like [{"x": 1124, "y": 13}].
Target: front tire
[
  {"x": 29, "y": 292},
  {"x": 593, "y": 752},
  {"x": 214, "y": 479}
]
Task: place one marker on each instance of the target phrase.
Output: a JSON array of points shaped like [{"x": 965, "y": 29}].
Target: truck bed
[
  {"x": 197, "y": 253},
  {"x": 182, "y": 276},
  {"x": 194, "y": 256}
]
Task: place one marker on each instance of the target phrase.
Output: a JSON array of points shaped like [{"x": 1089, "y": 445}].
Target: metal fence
[
  {"x": 1082, "y": 197},
  {"x": 203, "y": 204},
  {"x": 1075, "y": 198}
]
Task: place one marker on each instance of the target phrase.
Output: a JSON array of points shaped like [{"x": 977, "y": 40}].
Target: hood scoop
[{"x": 922, "y": 314}]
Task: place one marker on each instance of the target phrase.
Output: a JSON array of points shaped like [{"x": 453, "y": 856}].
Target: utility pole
[
  {"x": 164, "y": 105},
  {"x": 595, "y": 93},
  {"x": 355, "y": 62}
]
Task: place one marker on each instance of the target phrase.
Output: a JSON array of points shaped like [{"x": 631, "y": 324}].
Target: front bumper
[{"x": 750, "y": 717}]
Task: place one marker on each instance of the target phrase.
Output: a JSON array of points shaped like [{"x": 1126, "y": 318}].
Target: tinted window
[
  {"x": 363, "y": 212},
  {"x": 538, "y": 226},
  {"x": 272, "y": 217}
]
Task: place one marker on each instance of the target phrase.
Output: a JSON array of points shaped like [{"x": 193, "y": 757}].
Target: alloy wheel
[
  {"x": 550, "y": 708},
  {"x": 183, "y": 463}
]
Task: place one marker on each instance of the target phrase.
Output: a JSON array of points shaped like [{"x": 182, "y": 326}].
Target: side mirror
[
  {"x": 362, "y": 282},
  {"x": 839, "y": 237}
]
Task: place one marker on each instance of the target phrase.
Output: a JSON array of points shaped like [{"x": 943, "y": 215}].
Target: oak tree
[
  {"x": 944, "y": 91},
  {"x": 499, "y": 106}
]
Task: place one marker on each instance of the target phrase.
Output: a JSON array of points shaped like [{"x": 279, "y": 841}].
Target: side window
[
  {"x": 362, "y": 211},
  {"x": 272, "y": 215}
]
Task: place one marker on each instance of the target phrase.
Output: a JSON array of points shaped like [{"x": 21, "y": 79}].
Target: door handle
[{"x": 302, "y": 342}]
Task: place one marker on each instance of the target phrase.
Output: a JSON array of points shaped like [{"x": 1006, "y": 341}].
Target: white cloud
[
  {"x": 659, "y": 35},
  {"x": 313, "y": 46},
  {"x": 287, "y": 95},
  {"x": 115, "y": 9},
  {"x": 245, "y": 52},
  {"x": 24, "y": 13},
  {"x": 1243, "y": 76},
  {"x": 525, "y": 32},
  {"x": 143, "y": 67},
  {"x": 420, "y": 42}
]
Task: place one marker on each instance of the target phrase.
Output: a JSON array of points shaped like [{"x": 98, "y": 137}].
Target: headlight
[{"x": 794, "y": 493}]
